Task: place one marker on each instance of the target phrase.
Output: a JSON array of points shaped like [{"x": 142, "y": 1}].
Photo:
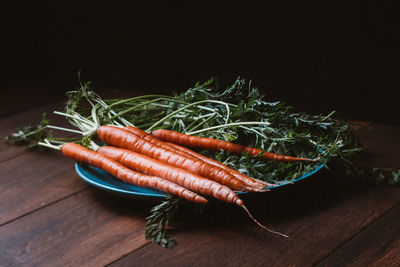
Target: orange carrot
[
  {"x": 215, "y": 144},
  {"x": 250, "y": 182},
  {"x": 191, "y": 181},
  {"x": 119, "y": 137},
  {"x": 81, "y": 154},
  {"x": 150, "y": 166},
  {"x": 154, "y": 140}
]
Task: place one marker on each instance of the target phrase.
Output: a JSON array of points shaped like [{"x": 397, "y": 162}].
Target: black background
[{"x": 317, "y": 56}]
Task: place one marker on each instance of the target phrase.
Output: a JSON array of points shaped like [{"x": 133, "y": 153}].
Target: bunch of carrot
[
  {"x": 158, "y": 161},
  {"x": 163, "y": 159}
]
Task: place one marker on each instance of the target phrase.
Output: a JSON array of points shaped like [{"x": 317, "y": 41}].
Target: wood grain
[
  {"x": 377, "y": 245},
  {"x": 230, "y": 238},
  {"x": 50, "y": 217},
  {"x": 34, "y": 180},
  {"x": 33, "y": 117},
  {"x": 86, "y": 229},
  {"x": 319, "y": 214}
]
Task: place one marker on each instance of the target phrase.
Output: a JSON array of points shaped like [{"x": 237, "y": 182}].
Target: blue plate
[{"x": 106, "y": 181}]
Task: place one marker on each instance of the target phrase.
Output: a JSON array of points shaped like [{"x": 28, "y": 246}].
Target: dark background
[{"x": 317, "y": 56}]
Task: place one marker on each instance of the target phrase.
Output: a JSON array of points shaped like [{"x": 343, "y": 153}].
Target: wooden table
[{"x": 51, "y": 217}]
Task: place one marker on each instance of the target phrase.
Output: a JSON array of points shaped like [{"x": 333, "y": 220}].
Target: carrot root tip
[{"x": 262, "y": 226}]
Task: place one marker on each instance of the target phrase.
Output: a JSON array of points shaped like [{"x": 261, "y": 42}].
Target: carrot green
[{"x": 238, "y": 114}]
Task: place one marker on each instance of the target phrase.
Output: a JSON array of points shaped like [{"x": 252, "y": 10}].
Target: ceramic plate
[{"x": 104, "y": 180}]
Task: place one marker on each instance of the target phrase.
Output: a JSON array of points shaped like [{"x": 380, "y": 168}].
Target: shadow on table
[{"x": 294, "y": 201}]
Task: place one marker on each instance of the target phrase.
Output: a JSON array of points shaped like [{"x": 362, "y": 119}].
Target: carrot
[
  {"x": 189, "y": 180},
  {"x": 124, "y": 139},
  {"x": 250, "y": 182},
  {"x": 81, "y": 154},
  {"x": 215, "y": 144},
  {"x": 155, "y": 140},
  {"x": 150, "y": 166}
]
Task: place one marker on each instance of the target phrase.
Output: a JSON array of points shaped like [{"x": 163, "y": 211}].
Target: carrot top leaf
[
  {"x": 29, "y": 136},
  {"x": 159, "y": 219},
  {"x": 239, "y": 113}
]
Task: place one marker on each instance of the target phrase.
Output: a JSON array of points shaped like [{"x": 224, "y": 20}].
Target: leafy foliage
[
  {"x": 159, "y": 219},
  {"x": 29, "y": 136},
  {"x": 238, "y": 114}
]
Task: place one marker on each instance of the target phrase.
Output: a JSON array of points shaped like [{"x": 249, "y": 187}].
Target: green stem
[
  {"x": 135, "y": 107},
  {"x": 185, "y": 107},
  {"x": 139, "y": 97},
  {"x": 201, "y": 123},
  {"x": 75, "y": 117},
  {"x": 49, "y": 145},
  {"x": 64, "y": 129},
  {"x": 328, "y": 116},
  {"x": 228, "y": 125},
  {"x": 253, "y": 130}
]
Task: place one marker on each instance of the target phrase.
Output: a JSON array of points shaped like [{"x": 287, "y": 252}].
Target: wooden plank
[
  {"x": 38, "y": 178},
  {"x": 53, "y": 226},
  {"x": 377, "y": 245},
  {"x": 319, "y": 214},
  {"x": 34, "y": 180},
  {"x": 32, "y": 117},
  {"x": 317, "y": 223},
  {"x": 91, "y": 228}
]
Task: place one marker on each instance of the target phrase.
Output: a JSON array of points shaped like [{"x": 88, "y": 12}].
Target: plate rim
[{"x": 80, "y": 171}]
